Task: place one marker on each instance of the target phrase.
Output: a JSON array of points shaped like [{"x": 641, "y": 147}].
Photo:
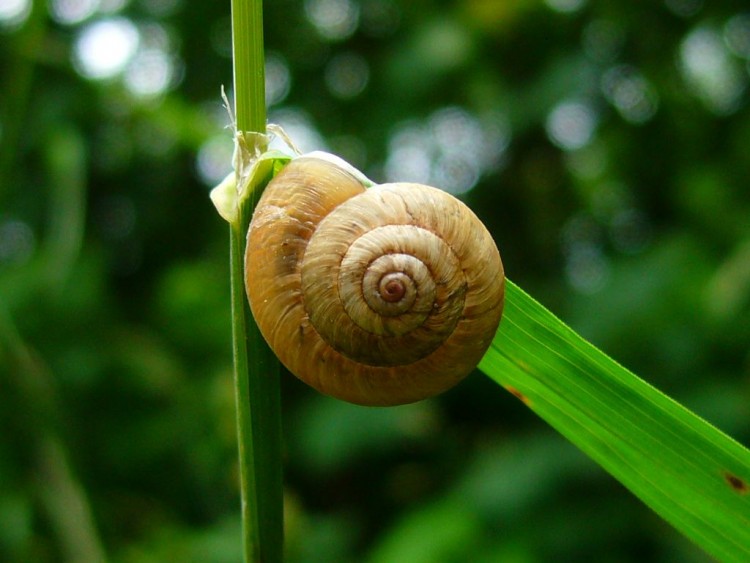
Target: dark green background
[{"x": 116, "y": 399}]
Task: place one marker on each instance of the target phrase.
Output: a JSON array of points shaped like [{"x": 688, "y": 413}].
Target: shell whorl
[{"x": 377, "y": 296}]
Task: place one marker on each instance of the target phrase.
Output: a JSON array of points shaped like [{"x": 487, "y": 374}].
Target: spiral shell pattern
[{"x": 378, "y": 296}]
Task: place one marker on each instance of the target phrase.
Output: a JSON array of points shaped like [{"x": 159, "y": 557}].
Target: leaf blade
[{"x": 686, "y": 470}]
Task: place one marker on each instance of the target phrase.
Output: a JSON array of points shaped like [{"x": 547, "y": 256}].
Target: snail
[{"x": 378, "y": 296}]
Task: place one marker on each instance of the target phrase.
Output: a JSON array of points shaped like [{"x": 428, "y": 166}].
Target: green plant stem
[
  {"x": 256, "y": 368},
  {"x": 249, "y": 69}
]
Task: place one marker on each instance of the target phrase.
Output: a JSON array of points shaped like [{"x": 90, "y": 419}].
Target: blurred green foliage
[{"x": 603, "y": 143}]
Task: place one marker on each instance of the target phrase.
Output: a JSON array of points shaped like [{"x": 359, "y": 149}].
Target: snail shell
[{"x": 379, "y": 296}]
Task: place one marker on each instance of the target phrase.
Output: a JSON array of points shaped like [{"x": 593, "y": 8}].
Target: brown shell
[{"x": 379, "y": 296}]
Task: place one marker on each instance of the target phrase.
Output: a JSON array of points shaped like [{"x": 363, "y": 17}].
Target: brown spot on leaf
[
  {"x": 737, "y": 483},
  {"x": 518, "y": 395}
]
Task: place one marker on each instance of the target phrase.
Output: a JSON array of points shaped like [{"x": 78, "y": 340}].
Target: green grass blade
[
  {"x": 690, "y": 473},
  {"x": 257, "y": 382}
]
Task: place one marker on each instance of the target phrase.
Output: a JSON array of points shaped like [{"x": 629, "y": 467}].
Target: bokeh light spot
[
  {"x": 278, "y": 79},
  {"x": 451, "y": 150},
  {"x": 14, "y": 12},
  {"x": 150, "y": 73},
  {"x": 153, "y": 69},
  {"x": 409, "y": 156},
  {"x": 104, "y": 48},
  {"x": 710, "y": 71},
  {"x": 214, "y": 160},
  {"x": 571, "y": 125},
  {"x": 630, "y": 93},
  {"x": 737, "y": 35},
  {"x": 298, "y": 125},
  {"x": 587, "y": 269},
  {"x": 71, "y": 12},
  {"x": 347, "y": 75},
  {"x": 334, "y": 20}
]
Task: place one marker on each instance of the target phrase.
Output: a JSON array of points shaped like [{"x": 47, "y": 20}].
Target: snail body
[{"x": 378, "y": 296}]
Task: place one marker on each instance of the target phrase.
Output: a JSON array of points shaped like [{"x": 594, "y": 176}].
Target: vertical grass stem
[{"x": 256, "y": 368}]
